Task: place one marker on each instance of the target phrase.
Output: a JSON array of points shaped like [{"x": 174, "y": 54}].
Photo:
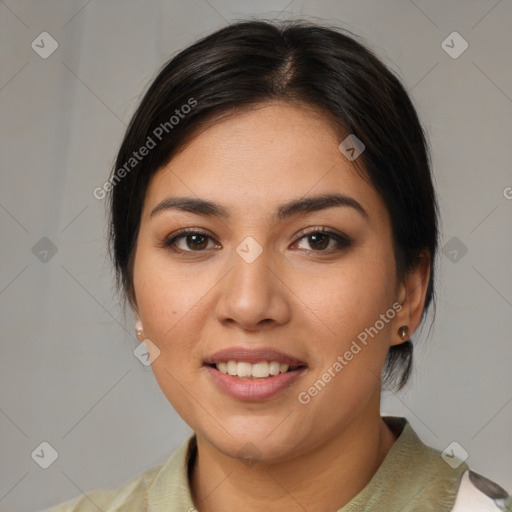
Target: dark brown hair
[{"x": 252, "y": 62}]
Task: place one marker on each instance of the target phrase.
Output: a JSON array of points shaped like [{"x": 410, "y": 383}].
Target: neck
[{"x": 325, "y": 478}]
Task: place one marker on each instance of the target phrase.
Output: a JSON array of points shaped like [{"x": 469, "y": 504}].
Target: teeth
[
  {"x": 244, "y": 369},
  {"x": 259, "y": 370},
  {"x": 232, "y": 367},
  {"x": 274, "y": 368}
]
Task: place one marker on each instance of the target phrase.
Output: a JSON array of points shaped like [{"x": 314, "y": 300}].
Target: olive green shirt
[{"x": 413, "y": 477}]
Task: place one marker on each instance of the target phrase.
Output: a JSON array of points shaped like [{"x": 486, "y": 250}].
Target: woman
[{"x": 274, "y": 229}]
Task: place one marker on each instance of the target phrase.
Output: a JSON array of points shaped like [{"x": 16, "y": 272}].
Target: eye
[
  {"x": 319, "y": 239},
  {"x": 193, "y": 241}
]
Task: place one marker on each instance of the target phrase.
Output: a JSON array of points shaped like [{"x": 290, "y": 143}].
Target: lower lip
[{"x": 254, "y": 390}]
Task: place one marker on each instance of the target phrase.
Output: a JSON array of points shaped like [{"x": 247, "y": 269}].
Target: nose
[{"x": 253, "y": 295}]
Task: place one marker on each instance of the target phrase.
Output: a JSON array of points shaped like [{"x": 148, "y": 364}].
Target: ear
[
  {"x": 138, "y": 323},
  {"x": 139, "y": 331},
  {"x": 132, "y": 299},
  {"x": 411, "y": 296}
]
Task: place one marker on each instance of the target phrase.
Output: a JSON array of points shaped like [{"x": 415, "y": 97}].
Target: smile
[{"x": 246, "y": 370}]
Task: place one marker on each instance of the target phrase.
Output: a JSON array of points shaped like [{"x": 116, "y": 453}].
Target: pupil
[
  {"x": 316, "y": 243},
  {"x": 195, "y": 238}
]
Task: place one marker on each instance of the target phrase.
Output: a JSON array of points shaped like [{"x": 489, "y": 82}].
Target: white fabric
[{"x": 471, "y": 499}]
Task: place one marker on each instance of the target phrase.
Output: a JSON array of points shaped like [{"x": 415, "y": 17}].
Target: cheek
[
  {"x": 172, "y": 303},
  {"x": 353, "y": 345},
  {"x": 167, "y": 297},
  {"x": 350, "y": 296},
  {"x": 167, "y": 301},
  {"x": 349, "y": 300}
]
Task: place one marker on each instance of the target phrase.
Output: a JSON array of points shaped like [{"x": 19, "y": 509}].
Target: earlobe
[
  {"x": 412, "y": 299},
  {"x": 138, "y": 330},
  {"x": 403, "y": 332},
  {"x": 401, "y": 335}
]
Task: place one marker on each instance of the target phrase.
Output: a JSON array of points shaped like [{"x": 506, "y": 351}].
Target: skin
[{"x": 294, "y": 297}]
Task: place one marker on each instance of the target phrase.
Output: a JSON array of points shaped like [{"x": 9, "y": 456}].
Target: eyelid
[
  {"x": 169, "y": 240},
  {"x": 321, "y": 229},
  {"x": 342, "y": 239}
]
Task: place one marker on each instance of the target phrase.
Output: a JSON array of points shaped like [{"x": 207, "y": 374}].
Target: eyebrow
[{"x": 284, "y": 211}]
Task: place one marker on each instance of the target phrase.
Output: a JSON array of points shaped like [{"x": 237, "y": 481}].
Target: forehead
[{"x": 263, "y": 157}]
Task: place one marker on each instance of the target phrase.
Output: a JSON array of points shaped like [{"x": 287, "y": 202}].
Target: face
[{"x": 263, "y": 290}]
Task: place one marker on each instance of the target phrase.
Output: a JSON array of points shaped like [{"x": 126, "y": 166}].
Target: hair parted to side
[{"x": 250, "y": 63}]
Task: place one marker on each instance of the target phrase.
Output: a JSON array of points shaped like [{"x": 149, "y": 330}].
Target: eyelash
[{"x": 342, "y": 241}]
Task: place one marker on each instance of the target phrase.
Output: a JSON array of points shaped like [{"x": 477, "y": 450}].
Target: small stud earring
[
  {"x": 403, "y": 331},
  {"x": 138, "y": 329}
]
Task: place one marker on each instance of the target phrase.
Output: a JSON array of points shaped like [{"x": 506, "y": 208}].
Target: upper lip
[{"x": 253, "y": 355}]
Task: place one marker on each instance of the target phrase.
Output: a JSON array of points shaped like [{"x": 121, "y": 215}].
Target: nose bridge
[
  {"x": 251, "y": 292},
  {"x": 250, "y": 277}
]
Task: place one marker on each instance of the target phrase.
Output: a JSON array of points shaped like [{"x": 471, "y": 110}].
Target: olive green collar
[{"x": 412, "y": 477}]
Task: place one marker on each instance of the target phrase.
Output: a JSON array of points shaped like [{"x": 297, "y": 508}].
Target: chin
[{"x": 255, "y": 441}]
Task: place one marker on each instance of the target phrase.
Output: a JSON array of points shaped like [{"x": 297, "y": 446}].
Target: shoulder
[
  {"x": 145, "y": 492},
  {"x": 415, "y": 476},
  {"x": 477, "y": 493},
  {"x": 132, "y": 495}
]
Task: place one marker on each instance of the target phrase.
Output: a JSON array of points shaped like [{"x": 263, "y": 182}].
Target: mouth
[
  {"x": 253, "y": 374},
  {"x": 254, "y": 363},
  {"x": 261, "y": 370}
]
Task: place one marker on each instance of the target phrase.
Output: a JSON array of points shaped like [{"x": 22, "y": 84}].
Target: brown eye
[
  {"x": 189, "y": 241},
  {"x": 320, "y": 239},
  {"x": 196, "y": 242}
]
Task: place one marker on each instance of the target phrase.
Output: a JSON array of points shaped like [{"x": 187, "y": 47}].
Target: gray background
[{"x": 68, "y": 374}]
